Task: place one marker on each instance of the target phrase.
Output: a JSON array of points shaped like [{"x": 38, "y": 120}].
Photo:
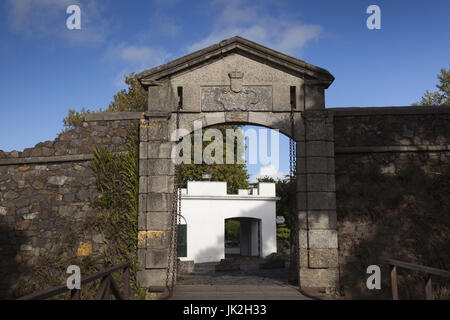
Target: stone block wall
[
  {"x": 316, "y": 202},
  {"x": 45, "y": 192},
  {"x": 156, "y": 183}
]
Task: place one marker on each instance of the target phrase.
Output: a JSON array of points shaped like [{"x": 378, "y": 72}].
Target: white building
[{"x": 205, "y": 205}]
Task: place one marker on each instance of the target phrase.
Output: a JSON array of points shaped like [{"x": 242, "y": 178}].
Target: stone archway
[{"x": 239, "y": 81}]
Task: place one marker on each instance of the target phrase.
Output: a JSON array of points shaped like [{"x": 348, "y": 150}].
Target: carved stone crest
[
  {"x": 250, "y": 98},
  {"x": 236, "y": 79},
  {"x": 236, "y": 97}
]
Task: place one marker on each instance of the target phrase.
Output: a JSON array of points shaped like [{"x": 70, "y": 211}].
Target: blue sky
[{"x": 47, "y": 69}]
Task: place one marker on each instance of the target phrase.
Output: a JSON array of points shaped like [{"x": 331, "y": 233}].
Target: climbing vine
[{"x": 117, "y": 177}]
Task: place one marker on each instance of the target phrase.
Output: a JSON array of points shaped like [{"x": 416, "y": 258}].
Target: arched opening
[
  {"x": 233, "y": 225},
  {"x": 312, "y": 204},
  {"x": 232, "y": 238},
  {"x": 243, "y": 237}
]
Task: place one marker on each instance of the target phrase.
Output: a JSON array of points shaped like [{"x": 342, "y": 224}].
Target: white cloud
[
  {"x": 269, "y": 171},
  {"x": 127, "y": 58},
  {"x": 138, "y": 56},
  {"x": 141, "y": 54},
  {"x": 34, "y": 15},
  {"x": 256, "y": 24},
  {"x": 46, "y": 18},
  {"x": 165, "y": 24}
]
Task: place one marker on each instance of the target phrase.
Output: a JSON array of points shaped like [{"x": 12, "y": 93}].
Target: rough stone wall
[
  {"x": 392, "y": 138},
  {"x": 388, "y": 139},
  {"x": 78, "y": 141},
  {"x": 45, "y": 192}
]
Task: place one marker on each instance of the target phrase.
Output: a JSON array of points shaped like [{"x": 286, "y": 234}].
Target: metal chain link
[
  {"x": 292, "y": 176},
  {"x": 176, "y": 206},
  {"x": 292, "y": 151},
  {"x": 177, "y": 223}
]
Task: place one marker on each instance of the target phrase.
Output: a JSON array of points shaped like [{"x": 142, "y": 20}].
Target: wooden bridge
[
  {"x": 237, "y": 292},
  {"x": 107, "y": 286}
]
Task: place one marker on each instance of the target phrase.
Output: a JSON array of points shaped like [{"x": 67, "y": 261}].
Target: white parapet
[
  {"x": 206, "y": 188},
  {"x": 266, "y": 189},
  {"x": 243, "y": 192}
]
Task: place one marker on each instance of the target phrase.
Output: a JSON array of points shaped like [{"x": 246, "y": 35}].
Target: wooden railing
[
  {"x": 107, "y": 286},
  {"x": 411, "y": 266}
]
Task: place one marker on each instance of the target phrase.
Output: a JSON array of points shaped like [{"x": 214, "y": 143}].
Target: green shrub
[{"x": 118, "y": 184}]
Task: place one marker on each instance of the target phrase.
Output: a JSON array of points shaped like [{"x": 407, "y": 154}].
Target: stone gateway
[{"x": 239, "y": 81}]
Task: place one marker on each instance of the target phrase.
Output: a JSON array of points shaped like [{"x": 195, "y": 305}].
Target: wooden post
[
  {"x": 103, "y": 292},
  {"x": 107, "y": 292},
  {"x": 104, "y": 286},
  {"x": 429, "y": 289},
  {"x": 126, "y": 283},
  {"x": 75, "y": 294},
  {"x": 115, "y": 290},
  {"x": 394, "y": 282}
]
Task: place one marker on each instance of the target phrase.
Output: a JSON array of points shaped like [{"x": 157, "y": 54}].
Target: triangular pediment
[{"x": 237, "y": 45}]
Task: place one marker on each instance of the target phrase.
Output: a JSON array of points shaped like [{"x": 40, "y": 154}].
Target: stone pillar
[
  {"x": 316, "y": 202},
  {"x": 156, "y": 180}
]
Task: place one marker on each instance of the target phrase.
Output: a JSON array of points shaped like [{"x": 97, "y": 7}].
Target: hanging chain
[
  {"x": 177, "y": 222},
  {"x": 294, "y": 263},
  {"x": 292, "y": 151},
  {"x": 174, "y": 222}
]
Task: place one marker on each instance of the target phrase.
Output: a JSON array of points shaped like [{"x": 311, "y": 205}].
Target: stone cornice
[
  {"x": 112, "y": 116},
  {"x": 378, "y": 111},
  {"x": 385, "y": 149},
  {"x": 230, "y": 197},
  {"x": 51, "y": 159},
  {"x": 236, "y": 44}
]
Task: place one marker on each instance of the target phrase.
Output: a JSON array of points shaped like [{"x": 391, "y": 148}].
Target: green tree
[
  {"x": 285, "y": 189},
  {"x": 134, "y": 98},
  {"x": 234, "y": 174},
  {"x": 232, "y": 230},
  {"x": 439, "y": 97}
]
